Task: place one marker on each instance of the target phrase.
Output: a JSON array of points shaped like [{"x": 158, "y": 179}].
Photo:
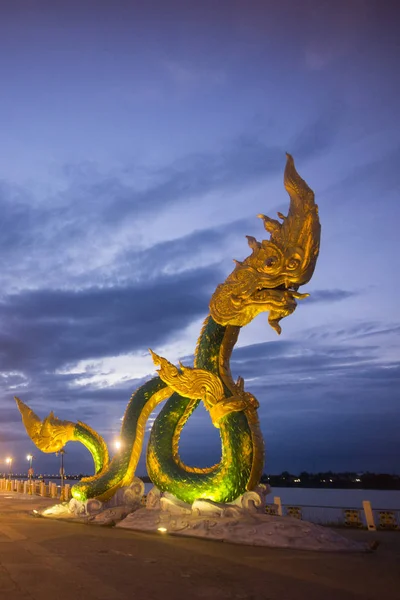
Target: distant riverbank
[{"x": 337, "y": 498}]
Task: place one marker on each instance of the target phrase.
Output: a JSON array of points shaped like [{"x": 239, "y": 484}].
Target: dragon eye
[
  {"x": 293, "y": 263},
  {"x": 271, "y": 260}
]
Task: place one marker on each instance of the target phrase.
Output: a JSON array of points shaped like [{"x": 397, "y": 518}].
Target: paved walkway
[{"x": 43, "y": 559}]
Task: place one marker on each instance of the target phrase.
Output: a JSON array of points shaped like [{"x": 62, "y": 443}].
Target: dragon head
[
  {"x": 49, "y": 435},
  {"x": 269, "y": 278}
]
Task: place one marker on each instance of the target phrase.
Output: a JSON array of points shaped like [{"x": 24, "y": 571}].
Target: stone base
[
  {"x": 243, "y": 521},
  {"x": 93, "y": 511},
  {"x": 251, "y": 530}
]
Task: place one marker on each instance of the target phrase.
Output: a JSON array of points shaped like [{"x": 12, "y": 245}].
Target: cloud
[
  {"x": 49, "y": 328},
  {"x": 241, "y": 162},
  {"x": 296, "y": 360},
  {"x": 306, "y": 373},
  {"x": 326, "y": 402},
  {"x": 244, "y": 160},
  {"x": 394, "y": 329},
  {"x": 37, "y": 259},
  {"x": 326, "y": 405},
  {"x": 358, "y": 330},
  {"x": 321, "y": 400},
  {"x": 200, "y": 247},
  {"x": 89, "y": 224},
  {"x": 87, "y": 284},
  {"x": 330, "y": 296}
]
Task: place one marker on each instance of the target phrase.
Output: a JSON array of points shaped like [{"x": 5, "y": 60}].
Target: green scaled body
[
  {"x": 222, "y": 483},
  {"x": 94, "y": 443}
]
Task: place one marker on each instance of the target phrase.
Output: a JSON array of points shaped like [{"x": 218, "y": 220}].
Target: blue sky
[{"x": 138, "y": 144}]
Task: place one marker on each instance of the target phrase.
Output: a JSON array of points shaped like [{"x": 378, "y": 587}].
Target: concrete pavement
[{"x": 43, "y": 559}]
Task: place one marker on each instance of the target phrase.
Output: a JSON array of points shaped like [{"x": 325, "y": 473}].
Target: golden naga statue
[{"x": 266, "y": 281}]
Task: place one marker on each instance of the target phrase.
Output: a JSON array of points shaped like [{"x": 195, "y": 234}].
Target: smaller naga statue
[{"x": 266, "y": 281}]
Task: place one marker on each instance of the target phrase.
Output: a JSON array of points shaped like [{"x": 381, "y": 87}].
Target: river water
[{"x": 380, "y": 499}]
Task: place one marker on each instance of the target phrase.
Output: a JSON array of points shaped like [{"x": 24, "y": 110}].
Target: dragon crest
[{"x": 268, "y": 280}]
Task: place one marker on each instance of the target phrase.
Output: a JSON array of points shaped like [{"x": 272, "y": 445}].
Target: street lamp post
[
  {"x": 62, "y": 472},
  {"x": 30, "y": 458},
  {"x": 9, "y": 462}
]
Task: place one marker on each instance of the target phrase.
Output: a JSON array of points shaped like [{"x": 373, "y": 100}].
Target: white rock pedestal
[
  {"x": 93, "y": 511},
  {"x": 241, "y": 522}
]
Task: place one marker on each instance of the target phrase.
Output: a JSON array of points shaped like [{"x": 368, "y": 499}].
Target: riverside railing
[
  {"x": 362, "y": 517},
  {"x": 36, "y": 488}
]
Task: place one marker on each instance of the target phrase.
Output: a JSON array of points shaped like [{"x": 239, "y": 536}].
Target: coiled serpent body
[
  {"x": 266, "y": 281},
  {"x": 241, "y": 440}
]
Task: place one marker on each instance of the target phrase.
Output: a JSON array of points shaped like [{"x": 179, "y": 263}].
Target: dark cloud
[
  {"x": 395, "y": 329},
  {"x": 297, "y": 359},
  {"x": 39, "y": 251},
  {"x": 43, "y": 331},
  {"x": 303, "y": 385},
  {"x": 322, "y": 406},
  {"x": 329, "y": 296},
  {"x": 181, "y": 253},
  {"x": 357, "y": 442},
  {"x": 358, "y": 330},
  {"x": 49, "y": 328},
  {"x": 46, "y": 240}
]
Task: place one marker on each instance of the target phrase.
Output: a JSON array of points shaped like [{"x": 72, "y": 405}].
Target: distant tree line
[{"x": 329, "y": 479}]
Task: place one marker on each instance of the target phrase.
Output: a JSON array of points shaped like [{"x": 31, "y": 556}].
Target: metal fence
[{"x": 365, "y": 517}]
